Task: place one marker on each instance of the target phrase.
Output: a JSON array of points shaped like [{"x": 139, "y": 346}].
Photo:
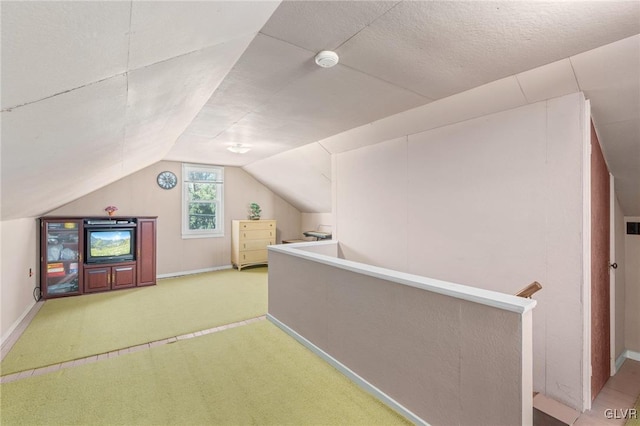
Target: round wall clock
[{"x": 167, "y": 180}]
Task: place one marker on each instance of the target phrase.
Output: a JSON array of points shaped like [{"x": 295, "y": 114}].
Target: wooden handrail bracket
[{"x": 529, "y": 290}]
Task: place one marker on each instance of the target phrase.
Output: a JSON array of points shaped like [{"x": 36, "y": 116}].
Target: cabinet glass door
[{"x": 62, "y": 257}]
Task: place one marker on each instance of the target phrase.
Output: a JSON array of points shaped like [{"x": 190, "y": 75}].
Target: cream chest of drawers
[{"x": 249, "y": 241}]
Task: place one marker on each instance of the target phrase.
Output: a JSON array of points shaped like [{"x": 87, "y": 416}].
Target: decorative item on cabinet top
[{"x": 254, "y": 211}]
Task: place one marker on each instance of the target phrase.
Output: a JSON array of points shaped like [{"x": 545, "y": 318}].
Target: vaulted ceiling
[{"x": 93, "y": 91}]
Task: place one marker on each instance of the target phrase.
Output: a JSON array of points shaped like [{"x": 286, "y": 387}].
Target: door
[{"x": 600, "y": 245}]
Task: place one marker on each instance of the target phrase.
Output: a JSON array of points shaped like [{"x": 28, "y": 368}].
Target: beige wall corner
[
  {"x": 138, "y": 195},
  {"x": 494, "y": 202},
  {"x": 17, "y": 284}
]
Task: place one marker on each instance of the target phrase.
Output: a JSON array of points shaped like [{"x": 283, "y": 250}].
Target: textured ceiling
[
  {"x": 93, "y": 91},
  {"x": 443, "y": 61}
]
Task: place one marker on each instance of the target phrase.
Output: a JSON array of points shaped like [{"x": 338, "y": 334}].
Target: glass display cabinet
[{"x": 61, "y": 257}]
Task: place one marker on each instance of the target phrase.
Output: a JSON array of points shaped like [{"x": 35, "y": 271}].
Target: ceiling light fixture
[
  {"x": 327, "y": 59},
  {"x": 239, "y": 148}
]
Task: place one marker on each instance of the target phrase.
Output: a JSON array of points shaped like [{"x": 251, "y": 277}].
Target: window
[{"x": 202, "y": 201}]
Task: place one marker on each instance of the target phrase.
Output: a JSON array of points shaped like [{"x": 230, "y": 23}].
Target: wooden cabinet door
[
  {"x": 123, "y": 276},
  {"x": 97, "y": 278},
  {"x": 146, "y": 255}
]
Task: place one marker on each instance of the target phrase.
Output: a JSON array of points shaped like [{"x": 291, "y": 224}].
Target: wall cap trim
[{"x": 495, "y": 299}]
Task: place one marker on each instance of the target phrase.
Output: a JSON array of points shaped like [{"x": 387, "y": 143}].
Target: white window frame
[{"x": 202, "y": 233}]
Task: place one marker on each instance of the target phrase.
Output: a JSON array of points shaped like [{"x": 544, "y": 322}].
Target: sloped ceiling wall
[
  {"x": 302, "y": 176},
  {"x": 409, "y": 66},
  {"x": 93, "y": 91},
  {"x": 608, "y": 76}
]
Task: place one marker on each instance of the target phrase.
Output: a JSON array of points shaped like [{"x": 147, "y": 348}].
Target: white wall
[
  {"x": 301, "y": 176},
  {"x": 138, "y": 195},
  {"x": 18, "y": 256},
  {"x": 316, "y": 222},
  {"x": 632, "y": 290},
  {"x": 494, "y": 202}
]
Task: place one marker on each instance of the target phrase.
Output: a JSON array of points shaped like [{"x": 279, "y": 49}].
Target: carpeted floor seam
[
  {"x": 71, "y": 328},
  {"x": 256, "y": 375},
  {"x": 123, "y": 351}
]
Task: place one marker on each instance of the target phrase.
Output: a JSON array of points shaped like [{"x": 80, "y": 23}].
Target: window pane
[
  {"x": 202, "y": 216},
  {"x": 202, "y": 191},
  {"x": 200, "y": 175},
  {"x": 202, "y": 205}
]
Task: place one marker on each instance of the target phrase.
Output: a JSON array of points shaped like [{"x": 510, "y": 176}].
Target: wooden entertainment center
[{"x": 80, "y": 255}]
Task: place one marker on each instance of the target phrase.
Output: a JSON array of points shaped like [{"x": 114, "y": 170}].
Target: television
[{"x": 109, "y": 245}]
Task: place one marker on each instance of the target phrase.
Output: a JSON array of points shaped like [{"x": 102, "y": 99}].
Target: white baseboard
[
  {"x": 620, "y": 360},
  {"x": 15, "y": 325},
  {"x": 632, "y": 355},
  {"x": 195, "y": 271},
  {"x": 17, "y": 328},
  {"x": 626, "y": 354},
  {"x": 349, "y": 373}
]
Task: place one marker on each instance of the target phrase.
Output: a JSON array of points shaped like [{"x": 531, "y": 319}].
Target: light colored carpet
[
  {"x": 635, "y": 421},
  {"x": 76, "y": 327},
  {"x": 250, "y": 375}
]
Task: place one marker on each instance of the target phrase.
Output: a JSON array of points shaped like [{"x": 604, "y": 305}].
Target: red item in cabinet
[{"x": 55, "y": 270}]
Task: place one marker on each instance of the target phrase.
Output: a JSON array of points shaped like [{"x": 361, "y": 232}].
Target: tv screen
[{"x": 105, "y": 245}]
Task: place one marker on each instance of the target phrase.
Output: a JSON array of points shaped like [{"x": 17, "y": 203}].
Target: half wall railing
[{"x": 437, "y": 352}]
